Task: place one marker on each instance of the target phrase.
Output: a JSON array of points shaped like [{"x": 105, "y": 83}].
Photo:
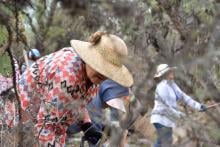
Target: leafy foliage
[
  {"x": 5, "y": 65},
  {"x": 184, "y": 33}
]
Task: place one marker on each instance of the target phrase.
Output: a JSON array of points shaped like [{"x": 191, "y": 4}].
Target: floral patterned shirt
[{"x": 54, "y": 90}]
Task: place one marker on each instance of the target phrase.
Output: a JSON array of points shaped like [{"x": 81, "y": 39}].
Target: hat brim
[
  {"x": 157, "y": 75},
  {"x": 93, "y": 58}
]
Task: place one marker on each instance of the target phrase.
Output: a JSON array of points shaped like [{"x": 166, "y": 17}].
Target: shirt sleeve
[
  {"x": 110, "y": 90},
  {"x": 187, "y": 99}
]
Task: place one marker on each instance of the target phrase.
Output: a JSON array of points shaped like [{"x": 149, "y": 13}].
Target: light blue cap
[{"x": 34, "y": 52}]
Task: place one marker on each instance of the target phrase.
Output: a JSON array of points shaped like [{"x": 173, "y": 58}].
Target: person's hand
[
  {"x": 91, "y": 133},
  {"x": 181, "y": 114},
  {"x": 203, "y": 108},
  {"x": 178, "y": 114}
]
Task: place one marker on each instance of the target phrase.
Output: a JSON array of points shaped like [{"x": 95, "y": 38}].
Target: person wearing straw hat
[
  {"x": 165, "y": 110},
  {"x": 65, "y": 81}
]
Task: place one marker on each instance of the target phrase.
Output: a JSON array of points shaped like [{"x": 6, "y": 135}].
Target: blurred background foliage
[{"x": 184, "y": 33}]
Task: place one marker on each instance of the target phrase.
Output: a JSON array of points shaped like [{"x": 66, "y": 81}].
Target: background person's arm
[{"x": 187, "y": 99}]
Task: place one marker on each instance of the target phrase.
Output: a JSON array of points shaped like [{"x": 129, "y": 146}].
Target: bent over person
[
  {"x": 110, "y": 95},
  {"x": 165, "y": 110},
  {"x": 64, "y": 81}
]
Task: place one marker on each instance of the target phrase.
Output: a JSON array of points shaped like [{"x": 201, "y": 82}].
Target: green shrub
[{"x": 5, "y": 65}]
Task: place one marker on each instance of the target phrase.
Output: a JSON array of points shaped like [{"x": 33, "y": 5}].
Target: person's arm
[
  {"x": 123, "y": 141},
  {"x": 187, "y": 99},
  {"x": 23, "y": 67},
  {"x": 86, "y": 117}
]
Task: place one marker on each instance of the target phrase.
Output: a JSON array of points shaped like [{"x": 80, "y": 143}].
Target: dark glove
[
  {"x": 91, "y": 133},
  {"x": 203, "y": 108}
]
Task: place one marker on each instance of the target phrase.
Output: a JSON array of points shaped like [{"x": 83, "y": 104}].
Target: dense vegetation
[{"x": 184, "y": 33}]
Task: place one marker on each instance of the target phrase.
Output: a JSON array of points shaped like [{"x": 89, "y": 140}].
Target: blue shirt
[{"x": 108, "y": 90}]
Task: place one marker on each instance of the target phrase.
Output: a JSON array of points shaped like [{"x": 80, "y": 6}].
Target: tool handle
[{"x": 214, "y": 105}]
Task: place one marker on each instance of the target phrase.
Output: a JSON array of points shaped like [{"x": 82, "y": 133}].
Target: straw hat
[
  {"x": 105, "y": 54},
  {"x": 162, "y": 69}
]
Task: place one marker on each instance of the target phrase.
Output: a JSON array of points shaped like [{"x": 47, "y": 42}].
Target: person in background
[
  {"x": 32, "y": 56},
  {"x": 165, "y": 110},
  {"x": 111, "y": 95},
  {"x": 66, "y": 80}
]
